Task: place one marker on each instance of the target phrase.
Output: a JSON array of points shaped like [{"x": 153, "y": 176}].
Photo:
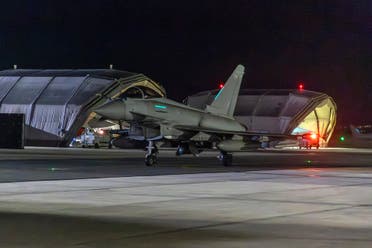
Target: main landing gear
[
  {"x": 225, "y": 158},
  {"x": 151, "y": 156}
]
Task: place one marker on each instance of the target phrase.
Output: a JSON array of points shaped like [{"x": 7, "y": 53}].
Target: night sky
[{"x": 189, "y": 46}]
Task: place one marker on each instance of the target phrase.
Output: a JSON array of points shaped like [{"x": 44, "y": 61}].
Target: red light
[
  {"x": 221, "y": 85},
  {"x": 314, "y": 136},
  {"x": 301, "y": 86}
]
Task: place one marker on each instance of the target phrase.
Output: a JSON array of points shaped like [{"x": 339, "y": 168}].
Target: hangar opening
[
  {"x": 280, "y": 111},
  {"x": 57, "y": 103}
]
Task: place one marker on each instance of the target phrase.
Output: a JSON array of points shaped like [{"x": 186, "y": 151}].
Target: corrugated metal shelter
[
  {"x": 280, "y": 111},
  {"x": 56, "y": 103}
]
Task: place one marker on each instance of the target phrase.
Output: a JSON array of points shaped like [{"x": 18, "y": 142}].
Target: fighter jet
[
  {"x": 362, "y": 132},
  {"x": 156, "y": 119},
  {"x": 361, "y": 136}
]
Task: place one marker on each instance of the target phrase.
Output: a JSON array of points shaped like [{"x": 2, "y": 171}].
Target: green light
[
  {"x": 342, "y": 138},
  {"x": 157, "y": 106}
]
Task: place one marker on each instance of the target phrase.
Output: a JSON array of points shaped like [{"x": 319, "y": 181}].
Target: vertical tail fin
[{"x": 225, "y": 101}]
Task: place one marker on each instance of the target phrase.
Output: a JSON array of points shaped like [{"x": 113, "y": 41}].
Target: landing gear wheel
[
  {"x": 151, "y": 159},
  {"x": 226, "y": 158},
  {"x": 151, "y": 156}
]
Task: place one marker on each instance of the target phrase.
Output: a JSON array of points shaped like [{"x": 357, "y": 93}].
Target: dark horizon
[{"x": 190, "y": 47}]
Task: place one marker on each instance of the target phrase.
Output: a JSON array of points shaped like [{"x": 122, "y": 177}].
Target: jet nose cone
[{"x": 114, "y": 110}]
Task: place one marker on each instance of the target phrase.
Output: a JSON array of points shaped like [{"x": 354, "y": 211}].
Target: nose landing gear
[{"x": 151, "y": 156}]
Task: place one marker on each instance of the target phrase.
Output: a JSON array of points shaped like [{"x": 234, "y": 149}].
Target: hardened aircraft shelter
[
  {"x": 280, "y": 111},
  {"x": 57, "y": 103}
]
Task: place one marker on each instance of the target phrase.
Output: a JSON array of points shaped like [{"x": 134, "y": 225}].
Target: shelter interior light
[{"x": 319, "y": 123}]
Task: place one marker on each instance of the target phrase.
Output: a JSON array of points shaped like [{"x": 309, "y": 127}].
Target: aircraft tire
[
  {"x": 150, "y": 160},
  {"x": 227, "y": 159}
]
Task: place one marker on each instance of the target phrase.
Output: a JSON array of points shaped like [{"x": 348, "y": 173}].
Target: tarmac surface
[{"x": 108, "y": 198}]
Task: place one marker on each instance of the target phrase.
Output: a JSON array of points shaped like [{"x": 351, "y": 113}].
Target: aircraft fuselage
[{"x": 169, "y": 115}]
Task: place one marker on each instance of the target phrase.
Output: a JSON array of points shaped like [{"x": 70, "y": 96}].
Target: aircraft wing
[
  {"x": 101, "y": 123},
  {"x": 223, "y": 132}
]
